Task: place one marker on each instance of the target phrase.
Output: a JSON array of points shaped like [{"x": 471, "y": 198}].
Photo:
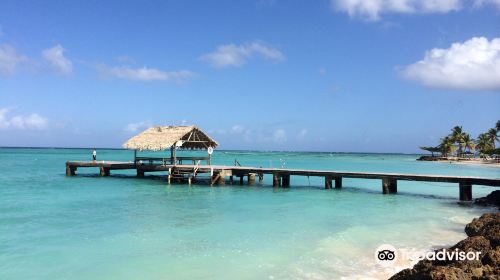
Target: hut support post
[
  {"x": 328, "y": 182},
  {"x": 276, "y": 180},
  {"x": 389, "y": 186},
  {"x": 241, "y": 179},
  {"x": 338, "y": 182},
  {"x": 251, "y": 178},
  {"x": 231, "y": 179},
  {"x": 285, "y": 180},
  {"x": 465, "y": 191}
]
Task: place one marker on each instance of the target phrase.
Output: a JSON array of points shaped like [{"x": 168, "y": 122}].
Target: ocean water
[{"x": 122, "y": 227}]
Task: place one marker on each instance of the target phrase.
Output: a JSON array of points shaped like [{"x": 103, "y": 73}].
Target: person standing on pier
[{"x": 94, "y": 155}]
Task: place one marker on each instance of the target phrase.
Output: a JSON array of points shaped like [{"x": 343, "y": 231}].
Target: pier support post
[
  {"x": 104, "y": 171},
  {"x": 140, "y": 173},
  {"x": 285, "y": 180},
  {"x": 389, "y": 186},
  {"x": 231, "y": 179},
  {"x": 328, "y": 182},
  {"x": 251, "y": 179},
  {"x": 190, "y": 180},
  {"x": 241, "y": 180},
  {"x": 261, "y": 177},
  {"x": 70, "y": 171},
  {"x": 276, "y": 180},
  {"x": 169, "y": 176},
  {"x": 338, "y": 182},
  {"x": 465, "y": 191}
]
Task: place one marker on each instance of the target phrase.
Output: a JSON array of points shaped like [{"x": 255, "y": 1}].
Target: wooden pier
[{"x": 219, "y": 175}]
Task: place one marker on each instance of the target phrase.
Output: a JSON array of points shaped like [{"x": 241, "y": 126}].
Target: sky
[{"x": 338, "y": 75}]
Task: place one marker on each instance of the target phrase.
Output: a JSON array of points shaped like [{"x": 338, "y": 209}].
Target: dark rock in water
[
  {"x": 492, "y": 199},
  {"x": 484, "y": 237},
  {"x": 487, "y": 225}
]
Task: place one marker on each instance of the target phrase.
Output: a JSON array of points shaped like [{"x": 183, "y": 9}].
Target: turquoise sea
[{"x": 122, "y": 227}]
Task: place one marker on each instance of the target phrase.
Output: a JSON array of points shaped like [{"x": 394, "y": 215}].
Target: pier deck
[{"x": 281, "y": 176}]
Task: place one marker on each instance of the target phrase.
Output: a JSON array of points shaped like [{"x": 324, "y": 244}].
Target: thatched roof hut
[{"x": 160, "y": 138}]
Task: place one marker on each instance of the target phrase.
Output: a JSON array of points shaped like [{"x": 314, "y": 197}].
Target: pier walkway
[{"x": 281, "y": 177}]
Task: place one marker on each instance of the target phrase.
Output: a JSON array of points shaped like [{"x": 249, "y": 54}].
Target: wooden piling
[
  {"x": 70, "y": 171},
  {"x": 251, "y": 178},
  {"x": 338, "y": 182},
  {"x": 389, "y": 185},
  {"x": 276, "y": 180},
  {"x": 241, "y": 180},
  {"x": 465, "y": 189},
  {"x": 231, "y": 179},
  {"x": 328, "y": 182},
  {"x": 285, "y": 180},
  {"x": 140, "y": 173},
  {"x": 190, "y": 180},
  {"x": 103, "y": 171}
]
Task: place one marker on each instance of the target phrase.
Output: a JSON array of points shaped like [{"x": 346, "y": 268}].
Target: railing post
[{"x": 465, "y": 189}]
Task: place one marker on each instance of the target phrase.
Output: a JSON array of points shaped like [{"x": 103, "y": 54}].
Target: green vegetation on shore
[{"x": 460, "y": 144}]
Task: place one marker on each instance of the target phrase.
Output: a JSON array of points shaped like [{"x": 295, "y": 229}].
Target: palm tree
[
  {"x": 468, "y": 142},
  {"x": 447, "y": 146},
  {"x": 457, "y": 136},
  {"x": 483, "y": 143},
  {"x": 492, "y": 134}
]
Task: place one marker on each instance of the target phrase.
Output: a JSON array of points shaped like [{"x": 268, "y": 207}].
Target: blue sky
[{"x": 340, "y": 75}]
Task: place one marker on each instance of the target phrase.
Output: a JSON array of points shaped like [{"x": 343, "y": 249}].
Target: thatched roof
[{"x": 161, "y": 138}]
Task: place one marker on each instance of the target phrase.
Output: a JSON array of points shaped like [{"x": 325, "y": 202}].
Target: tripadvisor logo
[
  {"x": 387, "y": 255},
  {"x": 448, "y": 255}
]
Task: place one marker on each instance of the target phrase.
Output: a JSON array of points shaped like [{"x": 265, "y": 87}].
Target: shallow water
[{"x": 120, "y": 227}]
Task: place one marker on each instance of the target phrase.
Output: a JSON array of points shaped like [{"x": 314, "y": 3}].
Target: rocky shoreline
[{"x": 483, "y": 236}]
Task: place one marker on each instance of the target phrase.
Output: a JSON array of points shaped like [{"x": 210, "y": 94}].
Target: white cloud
[
  {"x": 138, "y": 126},
  {"x": 238, "y": 129},
  {"x": 302, "y": 134},
  {"x": 237, "y": 55},
  {"x": 480, "y": 3},
  {"x": 471, "y": 65},
  {"x": 279, "y": 136},
  {"x": 143, "y": 74},
  {"x": 372, "y": 9},
  {"x": 33, "y": 121},
  {"x": 55, "y": 56},
  {"x": 9, "y": 59}
]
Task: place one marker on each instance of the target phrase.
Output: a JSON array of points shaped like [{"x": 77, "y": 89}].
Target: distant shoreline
[
  {"x": 222, "y": 150},
  {"x": 454, "y": 160}
]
